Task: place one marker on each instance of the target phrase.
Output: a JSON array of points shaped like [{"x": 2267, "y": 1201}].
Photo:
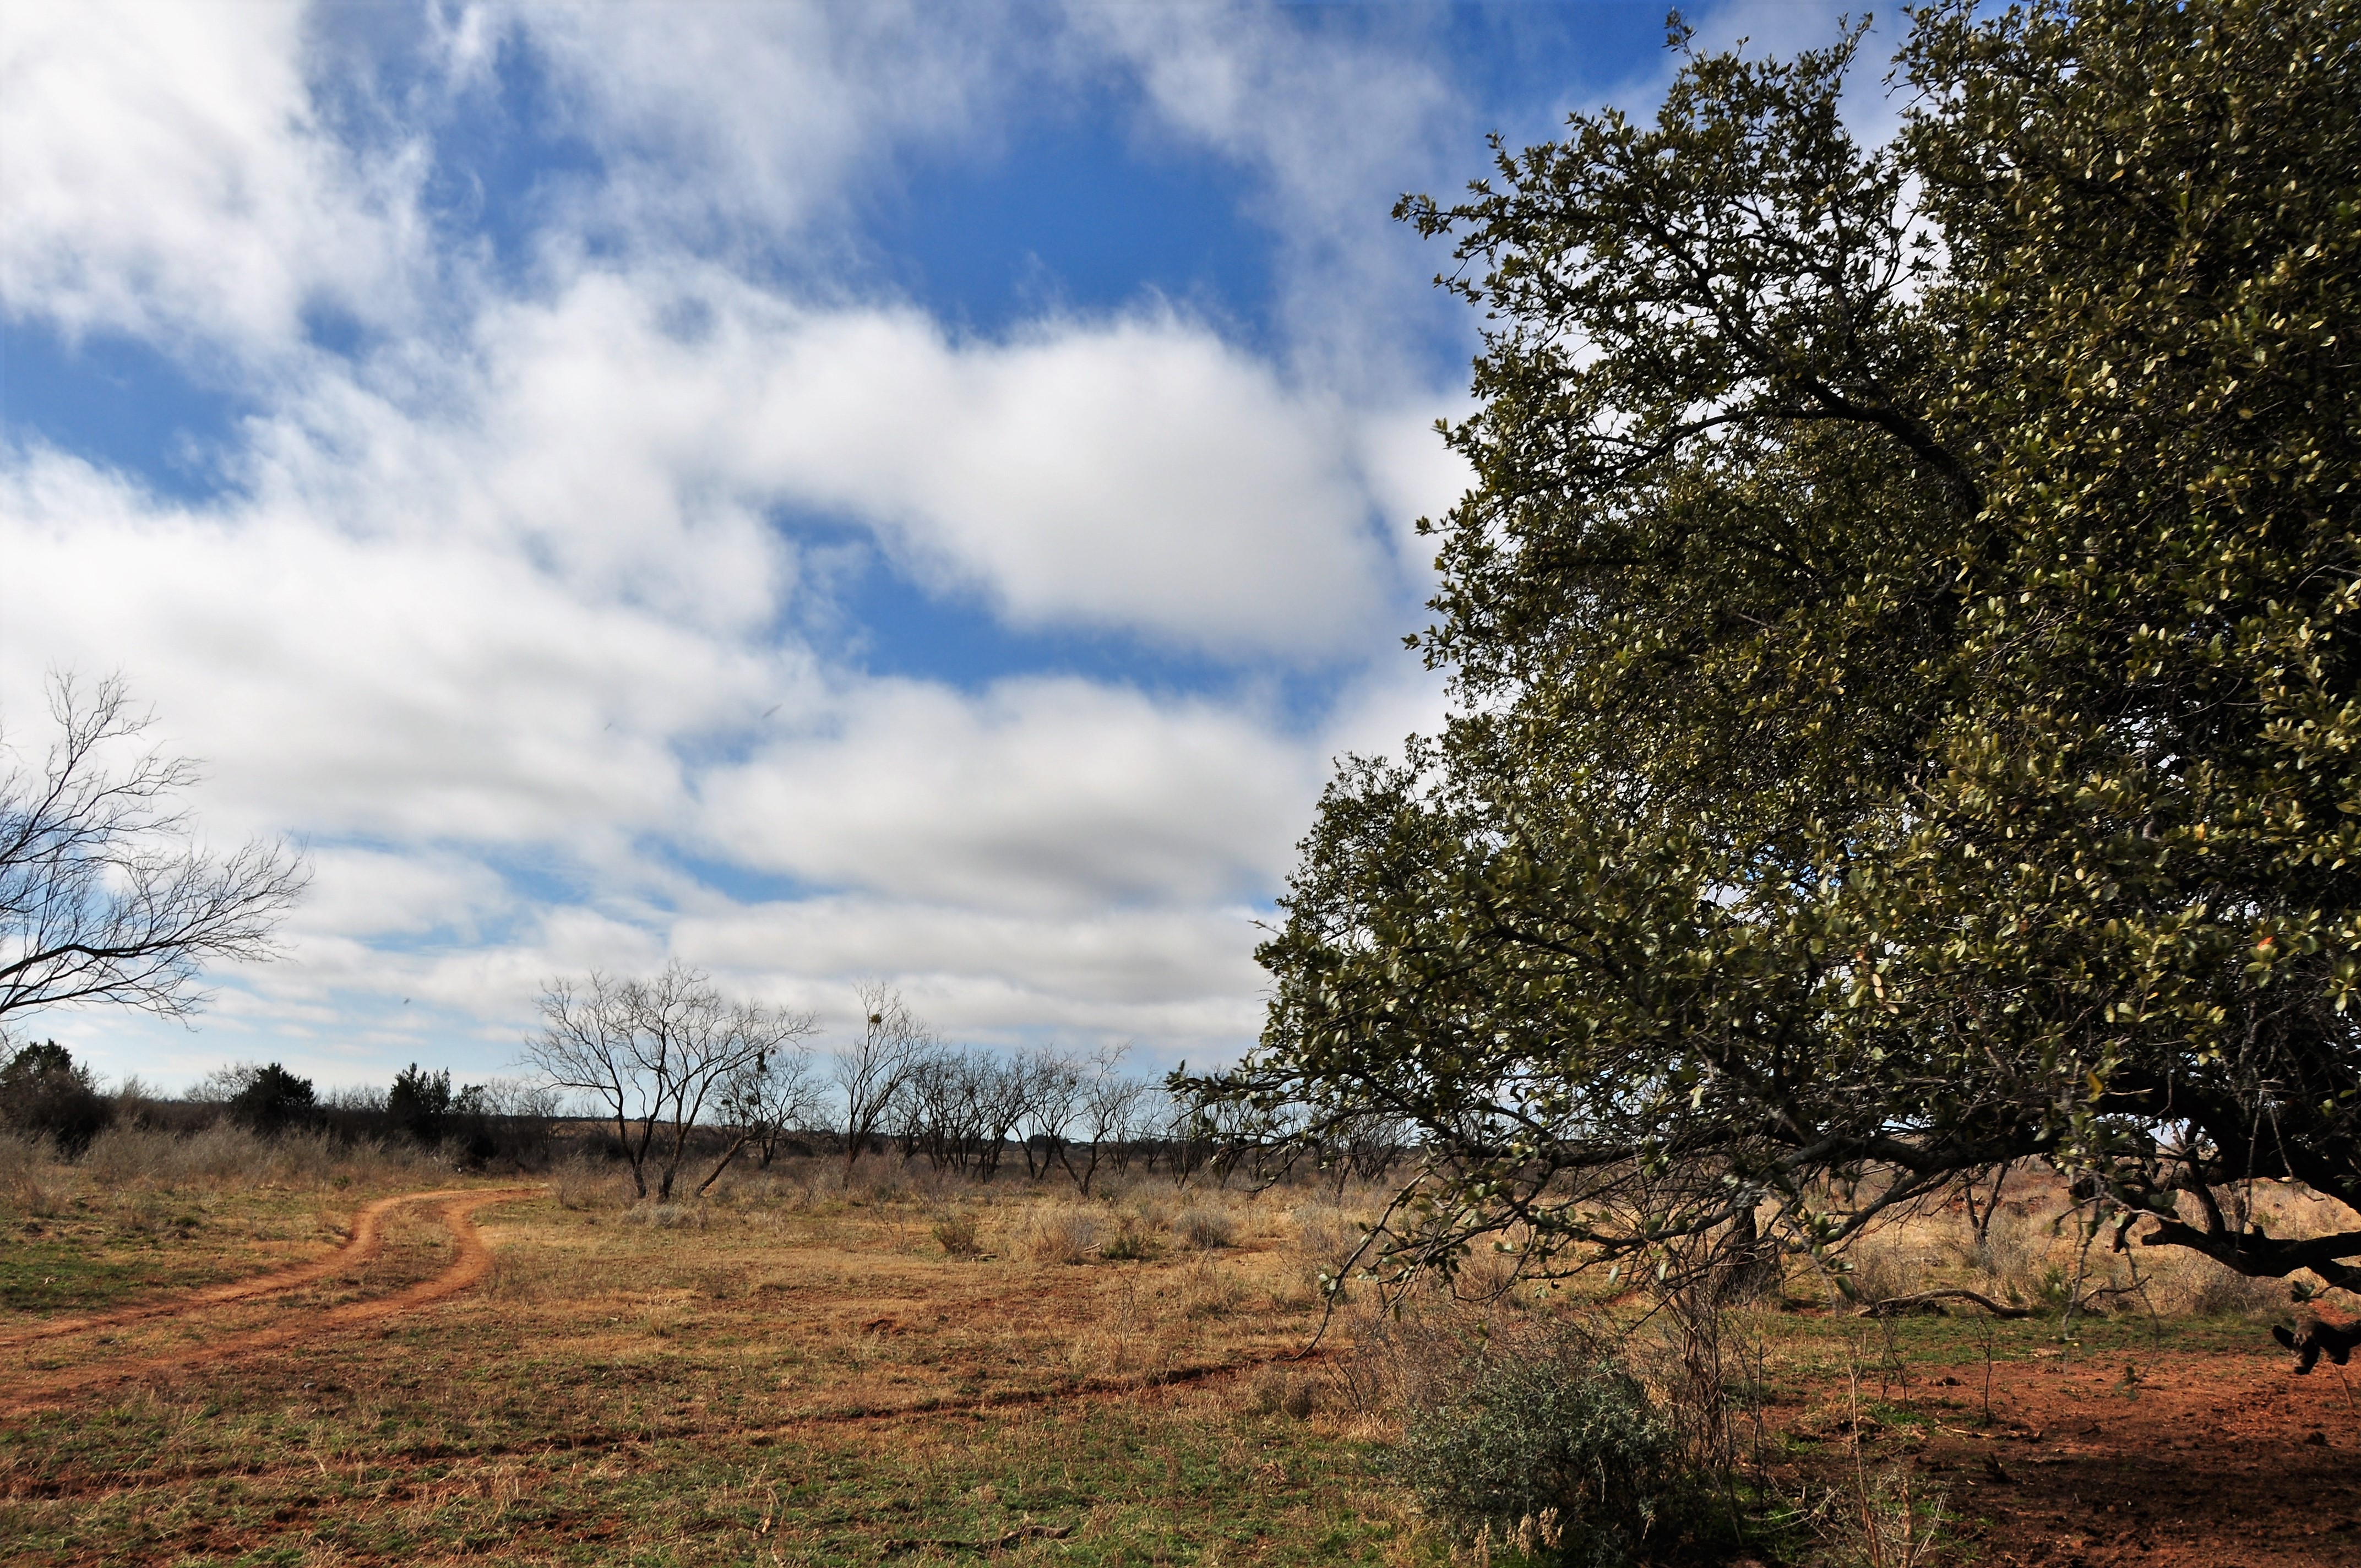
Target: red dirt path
[{"x": 28, "y": 1392}]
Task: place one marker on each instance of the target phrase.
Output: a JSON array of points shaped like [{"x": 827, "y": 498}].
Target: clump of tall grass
[
  {"x": 1061, "y": 1234},
  {"x": 1204, "y": 1230},
  {"x": 22, "y": 1191},
  {"x": 959, "y": 1235}
]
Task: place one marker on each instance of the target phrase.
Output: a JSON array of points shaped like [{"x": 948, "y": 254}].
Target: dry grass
[
  {"x": 744, "y": 1361},
  {"x": 228, "y": 1157},
  {"x": 859, "y": 1364},
  {"x": 2037, "y": 1252}
]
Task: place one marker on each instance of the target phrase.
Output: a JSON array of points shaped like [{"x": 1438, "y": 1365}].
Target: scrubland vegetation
[{"x": 914, "y": 1364}]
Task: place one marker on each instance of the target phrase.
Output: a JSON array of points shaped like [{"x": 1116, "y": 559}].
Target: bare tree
[
  {"x": 1053, "y": 1083},
  {"x": 104, "y": 896},
  {"x": 873, "y": 1075},
  {"x": 656, "y": 1054},
  {"x": 776, "y": 1094},
  {"x": 1110, "y": 1109}
]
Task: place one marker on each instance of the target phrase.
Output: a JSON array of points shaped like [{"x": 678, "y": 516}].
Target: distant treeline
[
  {"x": 962, "y": 1110},
  {"x": 46, "y": 1094}
]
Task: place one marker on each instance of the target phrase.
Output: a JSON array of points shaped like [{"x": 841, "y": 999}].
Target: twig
[{"x": 998, "y": 1544}]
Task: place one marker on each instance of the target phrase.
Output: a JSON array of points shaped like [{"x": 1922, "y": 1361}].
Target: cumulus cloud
[
  {"x": 168, "y": 175},
  {"x": 436, "y": 689},
  {"x": 643, "y": 431},
  {"x": 1058, "y": 794},
  {"x": 513, "y": 612}
]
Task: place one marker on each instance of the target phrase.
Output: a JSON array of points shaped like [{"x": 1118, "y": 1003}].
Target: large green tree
[{"x": 1904, "y": 674}]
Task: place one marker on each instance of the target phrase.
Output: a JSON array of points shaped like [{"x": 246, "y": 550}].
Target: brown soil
[
  {"x": 2169, "y": 1460},
  {"x": 474, "y": 1260}
]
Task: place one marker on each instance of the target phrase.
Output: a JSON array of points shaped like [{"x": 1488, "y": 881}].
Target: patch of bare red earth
[{"x": 2194, "y": 1461}]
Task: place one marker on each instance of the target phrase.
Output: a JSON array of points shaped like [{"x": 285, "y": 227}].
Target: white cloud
[
  {"x": 361, "y": 893},
  {"x": 1040, "y": 793},
  {"x": 738, "y": 124},
  {"x": 441, "y": 689},
  {"x": 504, "y": 617},
  {"x": 1137, "y": 476},
  {"x": 167, "y": 175}
]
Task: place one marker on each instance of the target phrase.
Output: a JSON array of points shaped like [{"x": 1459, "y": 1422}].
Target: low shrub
[
  {"x": 1262, "y": 1392},
  {"x": 1890, "y": 1517},
  {"x": 1207, "y": 1290},
  {"x": 960, "y": 1236},
  {"x": 1571, "y": 1440},
  {"x": 1132, "y": 1242},
  {"x": 1273, "y": 1393},
  {"x": 1203, "y": 1230}
]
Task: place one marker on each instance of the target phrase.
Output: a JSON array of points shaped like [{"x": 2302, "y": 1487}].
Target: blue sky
[{"x": 820, "y": 492}]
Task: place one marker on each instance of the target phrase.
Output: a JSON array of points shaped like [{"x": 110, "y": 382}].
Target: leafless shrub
[
  {"x": 1888, "y": 1518},
  {"x": 1325, "y": 1240}
]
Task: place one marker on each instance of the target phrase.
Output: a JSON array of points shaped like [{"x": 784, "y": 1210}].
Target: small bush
[
  {"x": 1132, "y": 1242},
  {"x": 1266, "y": 1392},
  {"x": 960, "y": 1236},
  {"x": 1209, "y": 1292},
  {"x": 1203, "y": 1230},
  {"x": 1063, "y": 1236},
  {"x": 1570, "y": 1438}
]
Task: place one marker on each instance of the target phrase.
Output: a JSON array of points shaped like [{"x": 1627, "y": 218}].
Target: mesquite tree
[
  {"x": 658, "y": 1056},
  {"x": 1904, "y": 716},
  {"x": 105, "y": 894}
]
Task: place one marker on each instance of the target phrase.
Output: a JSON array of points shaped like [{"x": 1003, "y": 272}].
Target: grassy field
[{"x": 791, "y": 1373}]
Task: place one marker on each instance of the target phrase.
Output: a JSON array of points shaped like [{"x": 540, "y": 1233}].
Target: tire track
[
  {"x": 473, "y": 1262},
  {"x": 366, "y": 1240}
]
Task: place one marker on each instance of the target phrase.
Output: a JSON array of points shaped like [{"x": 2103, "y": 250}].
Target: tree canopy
[{"x": 1905, "y": 718}]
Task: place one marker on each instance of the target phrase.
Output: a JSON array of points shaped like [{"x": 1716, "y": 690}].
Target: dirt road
[{"x": 34, "y": 1390}]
